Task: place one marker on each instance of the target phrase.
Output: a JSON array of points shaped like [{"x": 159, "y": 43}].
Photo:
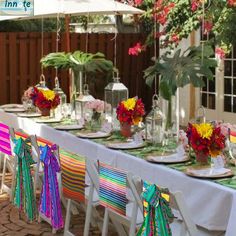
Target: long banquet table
[{"x": 212, "y": 205}]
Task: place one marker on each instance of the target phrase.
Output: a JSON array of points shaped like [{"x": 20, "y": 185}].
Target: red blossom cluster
[
  {"x": 195, "y": 4},
  {"x": 138, "y": 2},
  {"x": 232, "y": 3},
  {"x": 41, "y": 102},
  {"x": 208, "y": 25},
  {"x": 220, "y": 53},
  {"x": 132, "y": 117},
  {"x": 212, "y": 146},
  {"x": 136, "y": 49},
  {"x": 161, "y": 11}
]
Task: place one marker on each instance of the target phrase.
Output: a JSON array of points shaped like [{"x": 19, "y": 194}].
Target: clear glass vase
[
  {"x": 96, "y": 121},
  {"x": 170, "y": 109}
]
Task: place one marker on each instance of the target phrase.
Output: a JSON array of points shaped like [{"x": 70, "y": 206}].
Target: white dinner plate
[
  {"x": 47, "y": 120},
  {"x": 98, "y": 134},
  {"x": 171, "y": 159},
  {"x": 29, "y": 114},
  {"x": 68, "y": 127},
  {"x": 125, "y": 145},
  {"x": 209, "y": 172},
  {"x": 12, "y": 105},
  {"x": 14, "y": 110}
]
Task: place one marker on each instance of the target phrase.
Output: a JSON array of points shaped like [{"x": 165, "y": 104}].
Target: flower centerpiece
[
  {"x": 130, "y": 112},
  {"x": 27, "y": 100},
  {"x": 206, "y": 140},
  {"x": 97, "y": 106},
  {"x": 45, "y": 100}
]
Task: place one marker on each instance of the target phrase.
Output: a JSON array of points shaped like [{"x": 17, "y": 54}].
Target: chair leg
[
  {"x": 3, "y": 173},
  {"x": 133, "y": 220},
  {"x": 68, "y": 215},
  {"x": 13, "y": 181},
  {"x": 88, "y": 211},
  {"x": 105, "y": 223}
]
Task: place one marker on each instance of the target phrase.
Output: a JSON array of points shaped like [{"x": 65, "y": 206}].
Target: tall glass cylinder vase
[
  {"x": 77, "y": 84},
  {"x": 170, "y": 109}
]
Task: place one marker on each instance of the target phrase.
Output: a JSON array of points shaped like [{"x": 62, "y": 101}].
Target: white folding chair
[
  {"x": 231, "y": 145},
  {"x": 39, "y": 173},
  {"x": 9, "y": 163},
  {"x": 184, "y": 225},
  {"x": 92, "y": 215}
]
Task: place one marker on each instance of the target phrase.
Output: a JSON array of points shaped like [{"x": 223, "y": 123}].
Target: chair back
[
  {"x": 176, "y": 202},
  {"x": 73, "y": 169},
  {"x": 5, "y": 139},
  {"x": 112, "y": 188},
  {"x": 231, "y": 144}
]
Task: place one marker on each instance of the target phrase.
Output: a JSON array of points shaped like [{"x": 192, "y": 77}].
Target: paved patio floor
[{"x": 14, "y": 223}]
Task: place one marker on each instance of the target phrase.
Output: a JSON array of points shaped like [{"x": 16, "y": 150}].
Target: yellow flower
[
  {"x": 48, "y": 94},
  {"x": 205, "y": 130},
  {"x": 214, "y": 153},
  {"x": 137, "y": 119},
  {"x": 129, "y": 104}
]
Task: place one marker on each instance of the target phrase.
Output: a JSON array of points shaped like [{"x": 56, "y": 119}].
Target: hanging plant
[{"x": 79, "y": 61}]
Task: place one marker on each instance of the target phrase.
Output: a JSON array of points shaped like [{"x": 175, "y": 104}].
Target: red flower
[
  {"x": 175, "y": 38},
  {"x": 194, "y": 5},
  {"x": 220, "y": 53},
  {"x": 130, "y": 116},
  {"x": 232, "y": 3},
  {"x": 41, "y": 102},
  {"x": 212, "y": 146},
  {"x": 138, "y": 2},
  {"x": 135, "y": 50},
  {"x": 208, "y": 25}
]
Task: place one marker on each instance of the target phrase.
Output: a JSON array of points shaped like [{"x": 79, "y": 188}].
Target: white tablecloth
[{"x": 212, "y": 206}]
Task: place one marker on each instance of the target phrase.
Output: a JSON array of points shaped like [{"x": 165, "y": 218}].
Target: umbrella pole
[{"x": 67, "y": 30}]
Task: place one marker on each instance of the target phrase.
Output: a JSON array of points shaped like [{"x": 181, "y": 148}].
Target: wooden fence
[{"x": 20, "y": 54}]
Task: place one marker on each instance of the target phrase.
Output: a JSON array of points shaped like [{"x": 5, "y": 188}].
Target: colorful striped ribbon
[
  {"x": 156, "y": 212},
  {"x": 73, "y": 175},
  {"x": 50, "y": 202},
  {"x": 5, "y": 139},
  {"x": 112, "y": 188},
  {"x": 24, "y": 192}
]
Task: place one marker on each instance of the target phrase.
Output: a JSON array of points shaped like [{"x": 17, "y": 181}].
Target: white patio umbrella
[{"x": 51, "y": 8}]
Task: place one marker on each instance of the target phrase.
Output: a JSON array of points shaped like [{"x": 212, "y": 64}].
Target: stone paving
[{"x": 14, "y": 223}]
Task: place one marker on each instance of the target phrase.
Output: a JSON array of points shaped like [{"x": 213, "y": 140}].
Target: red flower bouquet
[
  {"x": 130, "y": 111},
  {"x": 45, "y": 99},
  {"x": 205, "y": 139}
]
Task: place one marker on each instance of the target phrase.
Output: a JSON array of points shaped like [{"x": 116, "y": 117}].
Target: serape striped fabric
[
  {"x": 40, "y": 141},
  {"x": 157, "y": 211},
  {"x": 232, "y": 136},
  {"x": 73, "y": 169},
  {"x": 5, "y": 140},
  {"x": 112, "y": 188}
]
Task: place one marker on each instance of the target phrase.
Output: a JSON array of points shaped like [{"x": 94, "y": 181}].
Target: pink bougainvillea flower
[
  {"x": 175, "y": 38},
  {"x": 195, "y": 4},
  {"x": 220, "y": 53},
  {"x": 208, "y": 25},
  {"x": 135, "y": 50},
  {"x": 138, "y": 2},
  {"x": 232, "y": 3}
]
